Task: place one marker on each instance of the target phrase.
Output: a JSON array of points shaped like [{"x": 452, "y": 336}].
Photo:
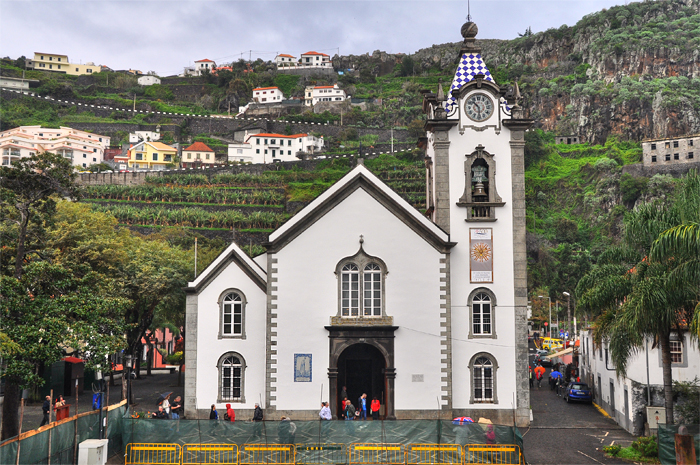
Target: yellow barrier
[
  {"x": 256, "y": 454},
  {"x": 223, "y": 454},
  {"x": 433, "y": 454},
  {"x": 501, "y": 454},
  {"x": 324, "y": 454},
  {"x": 376, "y": 454},
  {"x": 161, "y": 454}
]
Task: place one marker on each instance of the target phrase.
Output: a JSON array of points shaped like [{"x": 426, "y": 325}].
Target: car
[
  {"x": 577, "y": 391},
  {"x": 544, "y": 361},
  {"x": 541, "y": 352}
]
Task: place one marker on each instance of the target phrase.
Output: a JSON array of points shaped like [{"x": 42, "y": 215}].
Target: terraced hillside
[{"x": 245, "y": 206}]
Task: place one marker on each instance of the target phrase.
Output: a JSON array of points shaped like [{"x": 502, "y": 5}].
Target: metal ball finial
[{"x": 469, "y": 30}]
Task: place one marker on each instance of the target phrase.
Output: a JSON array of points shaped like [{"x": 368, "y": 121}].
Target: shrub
[
  {"x": 612, "y": 450},
  {"x": 632, "y": 188},
  {"x": 646, "y": 446}
]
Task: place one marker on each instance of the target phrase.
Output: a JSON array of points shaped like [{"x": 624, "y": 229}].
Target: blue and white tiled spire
[{"x": 470, "y": 64}]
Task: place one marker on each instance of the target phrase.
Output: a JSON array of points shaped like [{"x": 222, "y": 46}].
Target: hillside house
[
  {"x": 267, "y": 95},
  {"x": 198, "y": 154},
  {"x": 148, "y": 136},
  {"x": 7, "y": 82},
  {"x": 151, "y": 156},
  {"x": 83, "y": 148},
  {"x": 315, "y": 60},
  {"x": 148, "y": 80},
  {"x": 201, "y": 66},
  {"x": 315, "y": 94},
  {"x": 284, "y": 60},
  {"x": 270, "y": 148},
  {"x": 568, "y": 140},
  {"x": 625, "y": 398},
  {"x": 60, "y": 64},
  {"x": 675, "y": 150}
]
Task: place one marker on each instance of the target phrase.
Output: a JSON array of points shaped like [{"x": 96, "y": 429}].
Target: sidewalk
[{"x": 145, "y": 394}]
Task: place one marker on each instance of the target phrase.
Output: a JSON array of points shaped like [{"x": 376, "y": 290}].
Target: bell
[{"x": 479, "y": 190}]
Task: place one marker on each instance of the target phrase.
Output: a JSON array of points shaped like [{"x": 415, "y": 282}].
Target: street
[{"x": 568, "y": 433}]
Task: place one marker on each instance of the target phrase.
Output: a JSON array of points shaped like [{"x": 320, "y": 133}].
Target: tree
[
  {"x": 27, "y": 188},
  {"x": 637, "y": 296}
]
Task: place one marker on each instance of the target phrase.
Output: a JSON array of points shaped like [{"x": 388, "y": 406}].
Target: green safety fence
[
  {"x": 667, "y": 442},
  {"x": 35, "y": 448},
  {"x": 312, "y": 432}
]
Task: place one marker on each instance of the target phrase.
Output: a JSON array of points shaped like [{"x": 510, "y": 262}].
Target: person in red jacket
[
  {"x": 374, "y": 407},
  {"x": 230, "y": 413}
]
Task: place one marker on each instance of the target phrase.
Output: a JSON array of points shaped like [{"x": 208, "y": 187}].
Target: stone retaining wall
[{"x": 639, "y": 170}]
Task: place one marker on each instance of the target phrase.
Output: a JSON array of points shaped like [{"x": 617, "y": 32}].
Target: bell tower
[{"x": 476, "y": 192}]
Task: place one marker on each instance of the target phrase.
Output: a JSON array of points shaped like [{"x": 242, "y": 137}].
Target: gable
[
  {"x": 233, "y": 255},
  {"x": 359, "y": 178}
]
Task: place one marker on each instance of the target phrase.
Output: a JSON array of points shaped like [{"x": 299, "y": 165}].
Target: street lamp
[
  {"x": 550, "y": 313},
  {"x": 568, "y": 315},
  {"x": 127, "y": 360}
]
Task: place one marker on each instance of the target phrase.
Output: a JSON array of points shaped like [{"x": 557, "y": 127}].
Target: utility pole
[
  {"x": 568, "y": 314},
  {"x": 392, "y": 138},
  {"x": 550, "y": 313}
]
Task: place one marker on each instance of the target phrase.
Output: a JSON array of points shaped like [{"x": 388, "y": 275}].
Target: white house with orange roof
[
  {"x": 284, "y": 60},
  {"x": 83, "y": 148},
  {"x": 271, "y": 148},
  {"x": 315, "y": 94},
  {"x": 267, "y": 95},
  {"x": 315, "y": 60},
  {"x": 198, "y": 154},
  {"x": 200, "y": 66}
]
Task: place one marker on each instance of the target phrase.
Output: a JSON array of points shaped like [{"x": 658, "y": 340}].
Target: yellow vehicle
[{"x": 551, "y": 343}]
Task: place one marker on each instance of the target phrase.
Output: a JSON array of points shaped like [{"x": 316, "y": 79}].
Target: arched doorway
[
  {"x": 362, "y": 358},
  {"x": 361, "y": 369}
]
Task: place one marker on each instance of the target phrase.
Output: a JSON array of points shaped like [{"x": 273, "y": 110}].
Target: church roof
[
  {"x": 470, "y": 64},
  {"x": 359, "y": 178},
  {"x": 233, "y": 253}
]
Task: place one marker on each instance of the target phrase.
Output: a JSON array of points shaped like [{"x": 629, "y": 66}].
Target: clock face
[{"x": 478, "y": 107}]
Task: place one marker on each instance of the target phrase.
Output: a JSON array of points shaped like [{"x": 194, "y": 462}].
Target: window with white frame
[
  {"x": 483, "y": 369},
  {"x": 361, "y": 286},
  {"x": 481, "y": 305},
  {"x": 676, "y": 352},
  {"x": 231, "y": 378},
  {"x": 232, "y": 315}
]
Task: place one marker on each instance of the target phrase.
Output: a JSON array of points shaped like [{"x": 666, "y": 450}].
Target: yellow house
[
  {"x": 60, "y": 64},
  {"x": 151, "y": 156}
]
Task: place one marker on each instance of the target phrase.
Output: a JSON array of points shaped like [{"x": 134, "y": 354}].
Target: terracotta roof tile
[{"x": 198, "y": 147}]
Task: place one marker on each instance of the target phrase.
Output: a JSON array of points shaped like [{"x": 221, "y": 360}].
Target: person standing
[
  {"x": 230, "y": 414},
  {"x": 343, "y": 406},
  {"x": 258, "y": 413},
  {"x": 176, "y": 408},
  {"x": 166, "y": 406},
  {"x": 374, "y": 407},
  {"x": 362, "y": 406},
  {"x": 325, "y": 413},
  {"x": 45, "y": 409},
  {"x": 349, "y": 411},
  {"x": 213, "y": 415}
]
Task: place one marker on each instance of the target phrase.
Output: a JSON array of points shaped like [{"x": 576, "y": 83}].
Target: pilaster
[
  {"x": 191, "y": 311},
  {"x": 271, "y": 337},
  {"x": 441, "y": 147}
]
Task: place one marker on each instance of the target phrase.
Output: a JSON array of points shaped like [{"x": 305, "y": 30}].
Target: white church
[{"x": 425, "y": 312}]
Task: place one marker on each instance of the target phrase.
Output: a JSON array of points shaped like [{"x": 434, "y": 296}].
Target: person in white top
[{"x": 325, "y": 412}]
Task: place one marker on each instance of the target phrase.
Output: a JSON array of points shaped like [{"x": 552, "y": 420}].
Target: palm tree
[{"x": 637, "y": 296}]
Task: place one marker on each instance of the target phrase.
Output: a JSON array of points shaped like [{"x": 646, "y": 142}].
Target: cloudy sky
[{"x": 167, "y": 35}]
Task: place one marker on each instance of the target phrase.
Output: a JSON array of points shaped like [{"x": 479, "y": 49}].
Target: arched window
[
  {"x": 482, "y": 303},
  {"x": 231, "y": 376},
  {"x": 372, "y": 288},
  {"x": 361, "y": 286},
  {"x": 481, "y": 314},
  {"x": 483, "y": 369},
  {"x": 350, "y": 290},
  {"x": 232, "y": 314}
]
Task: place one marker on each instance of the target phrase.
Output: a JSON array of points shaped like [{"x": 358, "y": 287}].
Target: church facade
[{"x": 361, "y": 293}]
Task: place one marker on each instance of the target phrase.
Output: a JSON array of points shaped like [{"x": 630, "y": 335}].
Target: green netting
[
  {"x": 312, "y": 432},
  {"x": 667, "y": 442},
  {"x": 34, "y": 449}
]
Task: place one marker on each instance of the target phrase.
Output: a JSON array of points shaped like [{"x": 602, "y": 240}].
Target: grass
[{"x": 150, "y": 226}]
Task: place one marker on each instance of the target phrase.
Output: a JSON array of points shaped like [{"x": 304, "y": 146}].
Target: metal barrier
[
  {"x": 144, "y": 454},
  {"x": 433, "y": 454},
  {"x": 376, "y": 454},
  {"x": 256, "y": 454},
  {"x": 501, "y": 454},
  {"x": 195, "y": 454},
  {"x": 324, "y": 454}
]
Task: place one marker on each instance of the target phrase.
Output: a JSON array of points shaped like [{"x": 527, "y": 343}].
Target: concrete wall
[{"x": 674, "y": 169}]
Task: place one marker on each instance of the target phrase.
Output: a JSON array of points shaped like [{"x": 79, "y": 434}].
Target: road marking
[
  {"x": 606, "y": 433},
  {"x": 595, "y": 460}
]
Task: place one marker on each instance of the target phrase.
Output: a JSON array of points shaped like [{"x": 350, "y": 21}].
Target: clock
[{"x": 478, "y": 107}]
